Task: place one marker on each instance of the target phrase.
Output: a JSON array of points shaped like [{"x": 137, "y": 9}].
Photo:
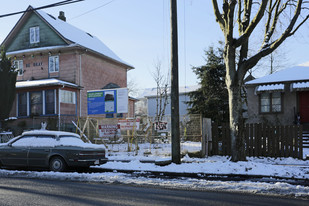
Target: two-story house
[{"x": 58, "y": 63}]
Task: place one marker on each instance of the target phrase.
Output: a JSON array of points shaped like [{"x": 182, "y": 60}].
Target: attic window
[
  {"x": 90, "y": 35},
  {"x": 51, "y": 16},
  {"x": 34, "y": 35}
]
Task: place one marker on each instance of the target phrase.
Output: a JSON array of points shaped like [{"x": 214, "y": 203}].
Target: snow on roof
[
  {"x": 49, "y": 132},
  {"x": 80, "y": 37},
  {"x": 43, "y": 82},
  {"x": 270, "y": 87},
  {"x": 300, "y": 85},
  {"x": 297, "y": 73},
  {"x": 150, "y": 92}
]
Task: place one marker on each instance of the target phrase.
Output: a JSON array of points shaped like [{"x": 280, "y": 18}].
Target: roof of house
[
  {"x": 75, "y": 36},
  {"x": 43, "y": 83},
  {"x": 294, "y": 74},
  {"x": 152, "y": 92}
]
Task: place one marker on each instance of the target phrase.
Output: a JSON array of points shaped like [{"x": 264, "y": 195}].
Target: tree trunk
[{"x": 236, "y": 123}]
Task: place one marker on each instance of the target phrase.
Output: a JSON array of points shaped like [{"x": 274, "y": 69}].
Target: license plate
[{"x": 96, "y": 162}]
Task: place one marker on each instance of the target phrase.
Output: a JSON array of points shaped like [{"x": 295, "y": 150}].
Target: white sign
[{"x": 128, "y": 124}]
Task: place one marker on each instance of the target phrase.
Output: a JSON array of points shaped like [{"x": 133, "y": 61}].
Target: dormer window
[{"x": 34, "y": 35}]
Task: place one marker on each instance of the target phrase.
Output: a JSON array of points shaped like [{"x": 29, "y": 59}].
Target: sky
[{"x": 138, "y": 31}]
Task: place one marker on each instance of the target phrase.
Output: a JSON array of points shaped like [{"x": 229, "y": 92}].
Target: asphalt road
[{"x": 22, "y": 192}]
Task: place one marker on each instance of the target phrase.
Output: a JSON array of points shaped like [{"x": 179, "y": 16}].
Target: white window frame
[
  {"x": 18, "y": 64},
  {"x": 68, "y": 97},
  {"x": 34, "y": 34},
  {"x": 53, "y": 64}
]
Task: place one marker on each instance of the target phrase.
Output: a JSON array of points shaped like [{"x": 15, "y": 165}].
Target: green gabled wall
[{"x": 47, "y": 36}]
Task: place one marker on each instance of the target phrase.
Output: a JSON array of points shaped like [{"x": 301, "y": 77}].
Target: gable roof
[
  {"x": 297, "y": 73},
  {"x": 72, "y": 35}
]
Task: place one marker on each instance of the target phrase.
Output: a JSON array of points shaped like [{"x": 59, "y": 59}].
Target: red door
[{"x": 304, "y": 106}]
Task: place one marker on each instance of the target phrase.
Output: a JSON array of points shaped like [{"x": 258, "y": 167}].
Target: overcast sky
[{"x": 138, "y": 32}]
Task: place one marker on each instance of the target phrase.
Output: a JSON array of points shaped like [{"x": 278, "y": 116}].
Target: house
[
  {"x": 58, "y": 63},
  {"x": 281, "y": 98},
  {"x": 148, "y": 101}
]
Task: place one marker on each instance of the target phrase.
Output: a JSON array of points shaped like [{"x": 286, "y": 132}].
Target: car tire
[{"x": 57, "y": 164}]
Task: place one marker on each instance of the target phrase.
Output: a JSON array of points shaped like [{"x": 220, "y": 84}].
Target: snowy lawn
[{"x": 121, "y": 159}]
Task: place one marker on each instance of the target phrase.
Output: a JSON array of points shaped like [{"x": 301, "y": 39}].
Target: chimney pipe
[{"x": 62, "y": 16}]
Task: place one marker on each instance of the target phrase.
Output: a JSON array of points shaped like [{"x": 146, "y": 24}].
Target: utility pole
[{"x": 174, "y": 86}]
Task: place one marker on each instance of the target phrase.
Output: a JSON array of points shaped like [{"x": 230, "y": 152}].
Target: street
[{"x": 20, "y": 191}]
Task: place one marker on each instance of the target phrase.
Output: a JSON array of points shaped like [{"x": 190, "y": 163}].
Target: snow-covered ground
[{"x": 121, "y": 159}]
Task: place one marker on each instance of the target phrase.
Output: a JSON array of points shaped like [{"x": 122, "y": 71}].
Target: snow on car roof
[
  {"x": 49, "y": 132},
  {"x": 70, "y": 139}
]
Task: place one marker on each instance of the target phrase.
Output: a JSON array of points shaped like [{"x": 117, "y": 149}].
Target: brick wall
[{"x": 96, "y": 73}]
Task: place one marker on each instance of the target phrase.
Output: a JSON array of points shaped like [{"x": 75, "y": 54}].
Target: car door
[
  {"x": 16, "y": 153},
  {"x": 39, "y": 152}
]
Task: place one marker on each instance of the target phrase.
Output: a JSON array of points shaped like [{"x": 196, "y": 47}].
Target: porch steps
[{"x": 305, "y": 139}]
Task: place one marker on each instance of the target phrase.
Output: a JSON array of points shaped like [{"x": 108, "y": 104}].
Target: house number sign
[{"x": 35, "y": 64}]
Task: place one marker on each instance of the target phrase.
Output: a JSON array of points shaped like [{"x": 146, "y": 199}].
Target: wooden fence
[{"x": 261, "y": 140}]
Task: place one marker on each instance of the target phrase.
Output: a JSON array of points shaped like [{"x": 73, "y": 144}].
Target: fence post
[
  {"x": 300, "y": 141},
  {"x": 246, "y": 130},
  {"x": 206, "y": 136},
  {"x": 215, "y": 139}
]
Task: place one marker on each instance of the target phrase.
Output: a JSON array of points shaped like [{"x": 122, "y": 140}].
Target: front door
[{"x": 304, "y": 106}]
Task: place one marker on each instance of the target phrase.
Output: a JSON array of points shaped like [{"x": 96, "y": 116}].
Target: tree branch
[
  {"x": 259, "y": 15},
  {"x": 219, "y": 18}
]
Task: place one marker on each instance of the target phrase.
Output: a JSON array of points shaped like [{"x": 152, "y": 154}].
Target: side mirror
[{"x": 10, "y": 144}]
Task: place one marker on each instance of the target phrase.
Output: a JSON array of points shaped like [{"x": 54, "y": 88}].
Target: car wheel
[{"x": 57, "y": 164}]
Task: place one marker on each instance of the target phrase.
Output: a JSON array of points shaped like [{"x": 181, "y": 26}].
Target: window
[
  {"x": 67, "y": 97},
  {"x": 109, "y": 115},
  {"x": 25, "y": 141},
  {"x": 50, "y": 101},
  {"x": 22, "y": 104},
  {"x": 18, "y": 64},
  {"x": 270, "y": 102},
  {"x": 53, "y": 64},
  {"x": 34, "y": 35},
  {"x": 36, "y": 103}
]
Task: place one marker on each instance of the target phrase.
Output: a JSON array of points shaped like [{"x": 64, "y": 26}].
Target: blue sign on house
[{"x": 107, "y": 101}]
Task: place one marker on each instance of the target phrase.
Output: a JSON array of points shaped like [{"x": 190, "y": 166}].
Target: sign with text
[
  {"x": 128, "y": 124},
  {"x": 107, "y": 101},
  {"x": 108, "y": 130},
  {"x": 160, "y": 126}
]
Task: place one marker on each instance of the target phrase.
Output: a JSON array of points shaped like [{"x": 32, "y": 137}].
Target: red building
[{"x": 58, "y": 63}]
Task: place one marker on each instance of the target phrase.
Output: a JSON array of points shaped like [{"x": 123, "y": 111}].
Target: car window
[
  {"x": 67, "y": 140},
  {"x": 70, "y": 140},
  {"x": 35, "y": 141},
  {"x": 24, "y": 141},
  {"x": 45, "y": 141}
]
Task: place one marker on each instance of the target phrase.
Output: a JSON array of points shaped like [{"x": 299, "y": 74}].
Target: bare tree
[
  {"x": 132, "y": 87},
  {"x": 162, "y": 89},
  {"x": 245, "y": 16}
]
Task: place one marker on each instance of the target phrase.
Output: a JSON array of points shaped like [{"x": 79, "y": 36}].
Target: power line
[
  {"x": 92, "y": 10},
  {"x": 61, "y": 3}
]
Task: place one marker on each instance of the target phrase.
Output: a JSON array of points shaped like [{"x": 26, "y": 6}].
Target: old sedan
[{"x": 50, "y": 149}]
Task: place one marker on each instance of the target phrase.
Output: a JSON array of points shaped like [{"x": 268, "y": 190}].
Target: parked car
[{"x": 50, "y": 149}]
